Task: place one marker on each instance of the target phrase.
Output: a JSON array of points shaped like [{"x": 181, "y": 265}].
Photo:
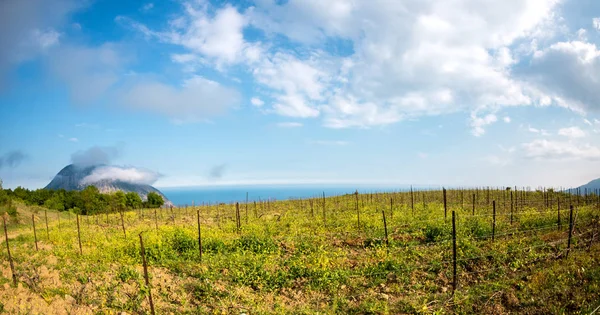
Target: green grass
[{"x": 289, "y": 259}]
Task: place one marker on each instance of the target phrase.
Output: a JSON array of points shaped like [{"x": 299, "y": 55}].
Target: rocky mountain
[
  {"x": 74, "y": 177},
  {"x": 592, "y": 186}
]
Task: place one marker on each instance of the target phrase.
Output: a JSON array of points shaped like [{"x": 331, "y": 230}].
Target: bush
[
  {"x": 181, "y": 242},
  {"x": 433, "y": 233}
]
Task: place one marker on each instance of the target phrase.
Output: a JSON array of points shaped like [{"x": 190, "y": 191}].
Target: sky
[{"x": 384, "y": 92}]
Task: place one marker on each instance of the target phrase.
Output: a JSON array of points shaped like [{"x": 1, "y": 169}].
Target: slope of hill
[
  {"x": 74, "y": 177},
  {"x": 593, "y": 185}
]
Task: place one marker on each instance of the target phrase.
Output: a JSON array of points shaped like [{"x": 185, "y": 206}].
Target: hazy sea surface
[{"x": 199, "y": 195}]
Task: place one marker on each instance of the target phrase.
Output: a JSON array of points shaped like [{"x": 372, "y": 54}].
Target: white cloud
[
  {"x": 147, "y": 7},
  {"x": 404, "y": 59},
  {"x": 126, "y": 174},
  {"x": 571, "y": 132},
  {"x": 216, "y": 36},
  {"x": 596, "y": 23},
  {"x": 289, "y": 124},
  {"x": 422, "y": 155},
  {"x": 297, "y": 84},
  {"x": 257, "y": 102},
  {"x": 587, "y": 122},
  {"x": 409, "y": 59},
  {"x": 506, "y": 119},
  {"x": 544, "y": 149},
  {"x": 294, "y": 106},
  {"x": 414, "y": 58},
  {"x": 478, "y": 123},
  {"x": 73, "y": 139},
  {"x": 543, "y": 132},
  {"x": 195, "y": 100},
  {"x": 575, "y": 83}
]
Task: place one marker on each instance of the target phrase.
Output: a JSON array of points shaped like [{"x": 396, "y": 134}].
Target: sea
[{"x": 228, "y": 194}]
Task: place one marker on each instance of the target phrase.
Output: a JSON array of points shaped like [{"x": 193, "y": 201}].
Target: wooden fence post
[
  {"x": 511, "y": 207},
  {"x": 237, "y": 217},
  {"x": 445, "y": 205},
  {"x": 47, "y": 230},
  {"x": 79, "y": 236},
  {"x": 493, "y": 220},
  {"x": 570, "y": 230},
  {"x": 324, "y": 215},
  {"x": 412, "y": 200},
  {"x": 454, "y": 275},
  {"x": 357, "y": 211},
  {"x": 147, "y": 280},
  {"x": 155, "y": 219},
  {"x": 123, "y": 224},
  {"x": 387, "y": 243},
  {"x": 199, "y": 236},
  {"x": 10, "y": 261},
  {"x": 34, "y": 232},
  {"x": 558, "y": 214}
]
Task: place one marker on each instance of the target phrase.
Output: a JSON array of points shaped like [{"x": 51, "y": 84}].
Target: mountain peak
[{"x": 76, "y": 177}]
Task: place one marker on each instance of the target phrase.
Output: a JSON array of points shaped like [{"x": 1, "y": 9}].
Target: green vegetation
[
  {"x": 309, "y": 256},
  {"x": 89, "y": 201}
]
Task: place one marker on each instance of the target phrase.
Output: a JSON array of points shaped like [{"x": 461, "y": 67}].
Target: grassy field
[{"x": 321, "y": 255}]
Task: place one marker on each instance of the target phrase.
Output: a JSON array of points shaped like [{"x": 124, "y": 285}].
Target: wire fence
[{"x": 410, "y": 234}]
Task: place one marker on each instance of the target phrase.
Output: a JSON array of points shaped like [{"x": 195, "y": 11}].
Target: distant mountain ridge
[
  {"x": 71, "y": 177},
  {"x": 592, "y": 186}
]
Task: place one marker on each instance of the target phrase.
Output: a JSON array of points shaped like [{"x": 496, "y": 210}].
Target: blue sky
[{"x": 186, "y": 93}]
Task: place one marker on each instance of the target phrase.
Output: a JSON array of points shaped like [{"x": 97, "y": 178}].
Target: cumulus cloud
[
  {"x": 596, "y": 23},
  {"x": 126, "y": 174},
  {"x": 410, "y": 58},
  {"x": 217, "y": 36},
  {"x": 96, "y": 155},
  {"x": 575, "y": 83},
  {"x": 545, "y": 149},
  {"x": 395, "y": 61},
  {"x": 12, "y": 159},
  {"x": 571, "y": 132}
]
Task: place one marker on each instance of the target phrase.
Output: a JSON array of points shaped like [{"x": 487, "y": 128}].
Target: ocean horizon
[{"x": 182, "y": 196}]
